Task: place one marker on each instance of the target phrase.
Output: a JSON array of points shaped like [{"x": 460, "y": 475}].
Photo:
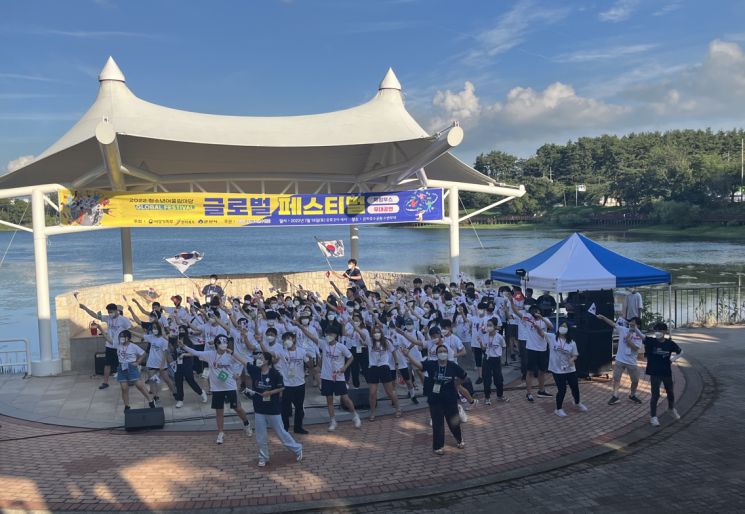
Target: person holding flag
[
  {"x": 536, "y": 348},
  {"x": 630, "y": 341},
  {"x": 115, "y": 323}
]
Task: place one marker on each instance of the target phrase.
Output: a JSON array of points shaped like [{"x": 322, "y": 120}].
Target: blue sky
[{"x": 516, "y": 74}]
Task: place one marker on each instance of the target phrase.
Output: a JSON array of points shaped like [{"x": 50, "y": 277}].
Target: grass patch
[{"x": 705, "y": 229}]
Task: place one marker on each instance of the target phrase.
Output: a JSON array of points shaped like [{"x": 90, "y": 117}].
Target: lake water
[{"x": 82, "y": 260}]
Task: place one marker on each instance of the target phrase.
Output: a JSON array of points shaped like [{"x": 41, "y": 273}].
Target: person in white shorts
[{"x": 630, "y": 341}]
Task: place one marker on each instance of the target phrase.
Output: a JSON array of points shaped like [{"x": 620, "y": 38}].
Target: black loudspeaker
[
  {"x": 603, "y": 301},
  {"x": 100, "y": 359},
  {"x": 143, "y": 419},
  {"x": 360, "y": 398},
  {"x": 595, "y": 348}
]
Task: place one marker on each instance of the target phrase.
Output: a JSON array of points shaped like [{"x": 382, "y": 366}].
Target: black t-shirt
[
  {"x": 209, "y": 291},
  {"x": 658, "y": 356},
  {"x": 355, "y": 276},
  {"x": 530, "y": 301},
  {"x": 272, "y": 380},
  {"x": 445, "y": 377},
  {"x": 547, "y": 305}
]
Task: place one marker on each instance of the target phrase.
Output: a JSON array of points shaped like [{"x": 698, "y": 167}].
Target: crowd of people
[{"x": 270, "y": 348}]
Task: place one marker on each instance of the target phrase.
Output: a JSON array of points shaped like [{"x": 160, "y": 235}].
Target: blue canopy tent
[{"x": 578, "y": 264}]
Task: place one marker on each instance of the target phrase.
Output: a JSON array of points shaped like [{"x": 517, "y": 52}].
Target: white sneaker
[
  {"x": 249, "y": 430},
  {"x": 357, "y": 421},
  {"x": 315, "y": 383},
  {"x": 560, "y": 413},
  {"x": 262, "y": 463},
  {"x": 220, "y": 437},
  {"x": 674, "y": 414},
  {"x": 470, "y": 406},
  {"x": 300, "y": 455},
  {"x": 462, "y": 414},
  {"x": 332, "y": 426},
  {"x": 430, "y": 421},
  {"x": 179, "y": 404},
  {"x": 581, "y": 407},
  {"x": 654, "y": 422},
  {"x": 204, "y": 396},
  {"x": 206, "y": 373}
]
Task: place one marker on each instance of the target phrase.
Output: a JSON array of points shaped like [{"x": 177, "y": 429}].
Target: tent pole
[
  {"x": 127, "y": 254},
  {"x": 354, "y": 237},
  {"x": 669, "y": 301},
  {"x": 454, "y": 234}
]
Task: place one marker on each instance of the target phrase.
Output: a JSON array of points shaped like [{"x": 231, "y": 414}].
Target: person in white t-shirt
[
  {"x": 222, "y": 384},
  {"x": 382, "y": 361},
  {"x": 336, "y": 359},
  {"x": 462, "y": 330},
  {"x": 130, "y": 357},
  {"x": 157, "y": 359},
  {"x": 291, "y": 364},
  {"x": 459, "y": 350},
  {"x": 536, "y": 348},
  {"x": 314, "y": 363},
  {"x": 630, "y": 341},
  {"x": 115, "y": 323},
  {"x": 563, "y": 355},
  {"x": 633, "y": 305},
  {"x": 399, "y": 343},
  {"x": 209, "y": 331},
  {"x": 492, "y": 344}
]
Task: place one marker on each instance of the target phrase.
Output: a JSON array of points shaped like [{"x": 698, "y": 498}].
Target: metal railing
[
  {"x": 695, "y": 306},
  {"x": 10, "y": 361}
]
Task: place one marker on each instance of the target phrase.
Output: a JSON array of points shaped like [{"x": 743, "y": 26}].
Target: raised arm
[
  {"x": 414, "y": 362},
  {"x": 90, "y": 312},
  {"x": 607, "y": 321},
  {"x": 139, "y": 306},
  {"x": 307, "y": 333},
  {"x": 134, "y": 316},
  {"x": 104, "y": 334},
  {"x": 413, "y": 340}
]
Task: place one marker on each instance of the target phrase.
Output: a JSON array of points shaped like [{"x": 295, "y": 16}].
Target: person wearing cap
[
  {"x": 659, "y": 351},
  {"x": 178, "y": 307},
  {"x": 444, "y": 377},
  {"x": 336, "y": 359},
  {"x": 115, "y": 323}
]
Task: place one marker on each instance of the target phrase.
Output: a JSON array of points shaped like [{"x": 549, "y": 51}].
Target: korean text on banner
[{"x": 125, "y": 209}]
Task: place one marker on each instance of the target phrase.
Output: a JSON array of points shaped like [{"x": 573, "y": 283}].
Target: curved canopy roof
[{"x": 175, "y": 149}]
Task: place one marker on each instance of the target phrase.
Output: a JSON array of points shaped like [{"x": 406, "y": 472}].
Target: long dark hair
[
  {"x": 461, "y": 310},
  {"x": 187, "y": 339},
  {"x": 436, "y": 319},
  {"x": 383, "y": 340},
  {"x": 570, "y": 332}
]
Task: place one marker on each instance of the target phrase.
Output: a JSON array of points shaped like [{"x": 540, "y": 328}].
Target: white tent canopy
[{"x": 127, "y": 144}]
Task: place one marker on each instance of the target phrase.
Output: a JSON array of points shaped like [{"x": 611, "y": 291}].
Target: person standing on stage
[
  {"x": 115, "y": 323},
  {"x": 292, "y": 360}
]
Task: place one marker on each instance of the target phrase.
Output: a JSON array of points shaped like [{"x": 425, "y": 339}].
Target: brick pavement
[
  {"x": 102, "y": 470},
  {"x": 690, "y": 466}
]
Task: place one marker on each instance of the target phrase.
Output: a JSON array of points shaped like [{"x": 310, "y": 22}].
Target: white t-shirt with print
[
  {"x": 210, "y": 332},
  {"x": 157, "y": 346},
  {"x": 128, "y": 353},
  {"x": 218, "y": 364},
  {"x": 560, "y": 353},
  {"x": 378, "y": 356},
  {"x": 533, "y": 341},
  {"x": 114, "y": 326},
  {"x": 493, "y": 344},
  {"x": 292, "y": 366},
  {"x": 334, "y": 358},
  {"x": 628, "y": 352}
]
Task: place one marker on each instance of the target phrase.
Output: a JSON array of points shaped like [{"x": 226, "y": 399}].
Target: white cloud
[
  {"x": 26, "y": 77},
  {"x": 603, "y": 54},
  {"x": 620, "y": 11},
  {"x": 19, "y": 163},
  {"x": 512, "y": 28},
  {"x": 668, "y": 9},
  {"x": 86, "y": 34}
]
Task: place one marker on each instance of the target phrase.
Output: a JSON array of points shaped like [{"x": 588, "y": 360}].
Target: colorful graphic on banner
[{"x": 125, "y": 209}]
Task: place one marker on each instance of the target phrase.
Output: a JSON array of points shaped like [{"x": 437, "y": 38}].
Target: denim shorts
[{"x": 131, "y": 374}]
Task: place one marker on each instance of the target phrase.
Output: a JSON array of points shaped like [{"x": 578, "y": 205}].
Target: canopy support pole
[
  {"x": 354, "y": 237},
  {"x": 454, "y": 233},
  {"x": 127, "y": 254},
  {"x": 47, "y": 365}
]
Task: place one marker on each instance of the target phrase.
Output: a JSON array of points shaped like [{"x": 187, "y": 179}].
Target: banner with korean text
[{"x": 125, "y": 209}]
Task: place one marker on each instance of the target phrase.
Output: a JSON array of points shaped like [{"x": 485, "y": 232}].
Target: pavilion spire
[
  {"x": 111, "y": 71},
  {"x": 390, "y": 81}
]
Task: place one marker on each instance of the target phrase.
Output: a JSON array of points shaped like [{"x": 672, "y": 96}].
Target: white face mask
[
  {"x": 659, "y": 335},
  {"x": 259, "y": 362},
  {"x": 213, "y": 321},
  {"x": 356, "y": 323},
  {"x": 489, "y": 329},
  {"x": 122, "y": 340},
  {"x": 331, "y": 317},
  {"x": 426, "y": 310},
  {"x": 377, "y": 335},
  {"x": 481, "y": 312},
  {"x": 350, "y": 310},
  {"x": 357, "y": 307},
  {"x": 329, "y": 339},
  {"x": 296, "y": 303},
  {"x": 270, "y": 322},
  {"x": 394, "y": 312},
  {"x": 449, "y": 304},
  {"x": 305, "y": 321},
  {"x": 436, "y": 296},
  {"x": 274, "y": 306},
  {"x": 222, "y": 346},
  {"x": 399, "y": 295},
  {"x": 112, "y": 313},
  {"x": 442, "y": 356},
  {"x": 563, "y": 330},
  {"x": 288, "y": 343},
  {"x": 409, "y": 327},
  {"x": 213, "y": 281},
  {"x": 446, "y": 331},
  {"x": 269, "y": 339}
]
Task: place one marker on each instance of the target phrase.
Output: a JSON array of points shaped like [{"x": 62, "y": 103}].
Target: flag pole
[{"x": 184, "y": 274}]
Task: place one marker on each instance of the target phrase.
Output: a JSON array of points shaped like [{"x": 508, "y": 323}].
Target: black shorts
[
  {"x": 404, "y": 373},
  {"x": 510, "y": 330},
  {"x": 218, "y": 399},
  {"x": 379, "y": 375},
  {"x": 111, "y": 358},
  {"x": 333, "y": 388},
  {"x": 537, "y": 361}
]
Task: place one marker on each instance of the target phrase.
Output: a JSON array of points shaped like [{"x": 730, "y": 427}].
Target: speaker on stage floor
[
  {"x": 595, "y": 348},
  {"x": 100, "y": 359},
  {"x": 603, "y": 301},
  {"x": 360, "y": 398},
  {"x": 143, "y": 419}
]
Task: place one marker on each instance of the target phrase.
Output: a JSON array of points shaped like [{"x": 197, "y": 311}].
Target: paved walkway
[
  {"x": 693, "y": 465},
  {"x": 44, "y": 467}
]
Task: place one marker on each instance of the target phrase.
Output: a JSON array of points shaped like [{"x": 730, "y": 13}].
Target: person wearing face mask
[
  {"x": 399, "y": 342},
  {"x": 356, "y": 337},
  {"x": 492, "y": 344},
  {"x": 158, "y": 358},
  {"x": 114, "y": 325},
  {"x": 458, "y": 350},
  {"x": 381, "y": 358},
  {"x": 129, "y": 356},
  {"x": 478, "y": 329},
  {"x": 185, "y": 368},
  {"x": 659, "y": 351},
  {"x": 209, "y": 331},
  {"x": 156, "y": 308},
  {"x": 330, "y": 319},
  {"x": 630, "y": 341},
  {"x": 633, "y": 305},
  {"x": 178, "y": 307},
  {"x": 308, "y": 346},
  {"x": 512, "y": 330},
  {"x": 336, "y": 359},
  {"x": 537, "y": 349},
  {"x": 462, "y": 328},
  {"x": 563, "y": 355},
  {"x": 222, "y": 384},
  {"x": 212, "y": 290},
  {"x": 443, "y": 379},
  {"x": 447, "y": 308},
  {"x": 268, "y": 383},
  {"x": 291, "y": 364}
]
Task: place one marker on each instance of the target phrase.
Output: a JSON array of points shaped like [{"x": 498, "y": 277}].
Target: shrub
[{"x": 680, "y": 214}]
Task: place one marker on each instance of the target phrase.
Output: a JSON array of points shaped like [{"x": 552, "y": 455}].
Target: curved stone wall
[{"x": 74, "y": 322}]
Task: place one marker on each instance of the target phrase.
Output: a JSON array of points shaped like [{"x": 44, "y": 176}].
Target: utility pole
[{"x": 742, "y": 164}]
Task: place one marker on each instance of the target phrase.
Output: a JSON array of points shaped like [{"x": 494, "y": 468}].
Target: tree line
[
  {"x": 18, "y": 211},
  {"x": 698, "y": 168}
]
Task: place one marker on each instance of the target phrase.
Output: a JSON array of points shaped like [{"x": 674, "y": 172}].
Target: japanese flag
[{"x": 592, "y": 310}]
